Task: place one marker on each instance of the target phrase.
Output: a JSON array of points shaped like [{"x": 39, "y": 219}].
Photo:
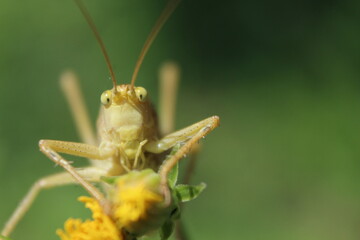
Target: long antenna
[
  {"x": 170, "y": 7},
  {"x": 91, "y": 23}
]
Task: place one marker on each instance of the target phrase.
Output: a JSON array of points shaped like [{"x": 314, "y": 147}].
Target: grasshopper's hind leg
[
  {"x": 51, "y": 181},
  {"x": 169, "y": 81},
  {"x": 74, "y": 97},
  {"x": 71, "y": 89},
  {"x": 169, "y": 76}
]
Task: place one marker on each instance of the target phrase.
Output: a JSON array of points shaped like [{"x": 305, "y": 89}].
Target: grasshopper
[{"x": 128, "y": 138}]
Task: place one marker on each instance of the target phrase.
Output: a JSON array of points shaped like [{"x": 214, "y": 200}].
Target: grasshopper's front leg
[
  {"x": 51, "y": 148},
  {"x": 190, "y": 137}
]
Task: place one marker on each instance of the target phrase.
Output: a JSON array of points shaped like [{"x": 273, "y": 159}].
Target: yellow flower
[
  {"x": 100, "y": 228},
  {"x": 138, "y": 204},
  {"x": 134, "y": 202}
]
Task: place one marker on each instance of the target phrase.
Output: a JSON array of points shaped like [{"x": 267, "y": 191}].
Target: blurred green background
[{"x": 282, "y": 75}]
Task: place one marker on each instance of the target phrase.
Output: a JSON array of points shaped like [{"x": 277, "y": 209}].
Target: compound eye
[
  {"x": 106, "y": 98},
  {"x": 141, "y": 93}
]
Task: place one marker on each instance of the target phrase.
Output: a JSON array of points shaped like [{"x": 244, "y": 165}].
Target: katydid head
[{"x": 126, "y": 111}]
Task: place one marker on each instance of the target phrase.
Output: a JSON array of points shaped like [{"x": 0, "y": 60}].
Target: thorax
[{"x": 122, "y": 133}]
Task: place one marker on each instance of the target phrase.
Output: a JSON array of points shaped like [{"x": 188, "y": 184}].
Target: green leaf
[
  {"x": 166, "y": 229},
  {"x": 173, "y": 174},
  {"x": 186, "y": 192}
]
